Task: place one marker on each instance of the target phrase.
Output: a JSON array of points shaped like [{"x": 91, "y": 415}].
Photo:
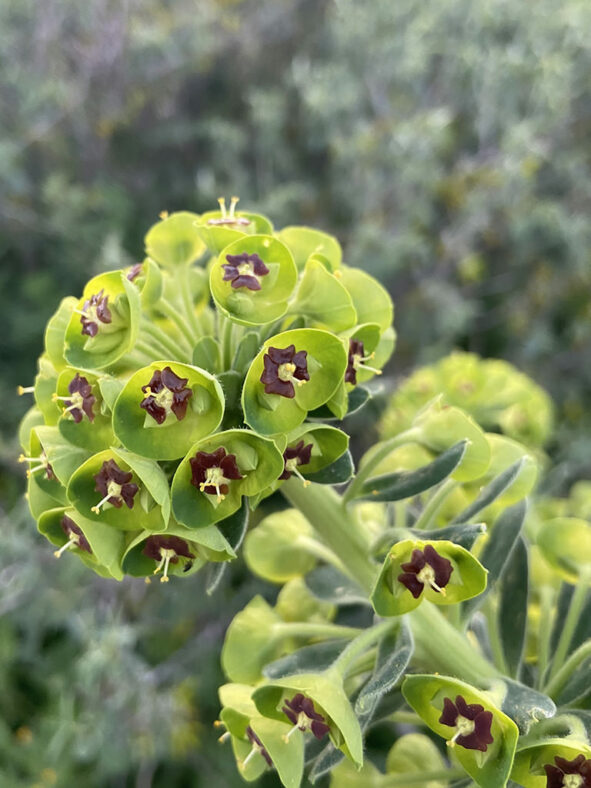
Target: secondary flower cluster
[{"x": 174, "y": 389}]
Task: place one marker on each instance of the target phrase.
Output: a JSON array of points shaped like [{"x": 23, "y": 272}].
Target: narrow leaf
[
  {"x": 464, "y": 534},
  {"x": 394, "y": 653},
  {"x": 330, "y": 585},
  {"x": 317, "y": 657},
  {"x": 498, "y": 549},
  {"x": 406, "y": 484},
  {"x": 491, "y": 492},
  {"x": 525, "y": 705},
  {"x": 338, "y": 472},
  {"x": 513, "y": 598}
]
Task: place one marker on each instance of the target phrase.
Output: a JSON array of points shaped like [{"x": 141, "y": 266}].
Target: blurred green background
[{"x": 445, "y": 142}]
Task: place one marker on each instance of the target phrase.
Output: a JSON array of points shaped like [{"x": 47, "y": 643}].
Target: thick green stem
[
  {"x": 312, "y": 630},
  {"x": 324, "y": 509},
  {"x": 570, "y": 624},
  {"x": 376, "y": 458},
  {"x": 443, "y": 648},
  {"x": 361, "y": 643},
  {"x": 436, "y": 501},
  {"x": 420, "y": 778}
]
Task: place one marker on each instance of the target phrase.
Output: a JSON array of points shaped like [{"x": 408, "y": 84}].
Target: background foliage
[{"x": 443, "y": 142}]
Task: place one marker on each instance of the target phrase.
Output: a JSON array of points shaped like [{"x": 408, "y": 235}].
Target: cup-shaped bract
[
  {"x": 252, "y": 279},
  {"x": 325, "y": 698},
  {"x": 174, "y": 242},
  {"x": 546, "y": 762},
  {"x": 504, "y": 453},
  {"x": 147, "y": 277},
  {"x": 251, "y": 642},
  {"x": 44, "y": 388},
  {"x": 259, "y": 742},
  {"x": 122, "y": 490},
  {"x": 165, "y": 408},
  {"x": 278, "y": 549},
  {"x": 55, "y": 331},
  {"x": 565, "y": 543},
  {"x": 217, "y": 471},
  {"x": 483, "y": 737},
  {"x": 322, "y": 300},
  {"x": 439, "y": 426},
  {"x": 310, "y": 362},
  {"x": 306, "y": 242},
  {"x": 98, "y": 545},
  {"x": 440, "y": 571},
  {"x": 310, "y": 448},
  {"x": 104, "y": 325},
  {"x": 85, "y": 420},
  {"x": 295, "y": 602},
  {"x": 371, "y": 300}
]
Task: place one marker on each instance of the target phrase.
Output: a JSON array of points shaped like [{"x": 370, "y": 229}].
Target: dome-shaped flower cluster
[{"x": 174, "y": 395}]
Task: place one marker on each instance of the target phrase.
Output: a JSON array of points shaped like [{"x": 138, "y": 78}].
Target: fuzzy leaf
[{"x": 397, "y": 486}]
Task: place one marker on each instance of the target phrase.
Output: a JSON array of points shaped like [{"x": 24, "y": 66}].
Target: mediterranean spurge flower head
[
  {"x": 283, "y": 368},
  {"x": 300, "y": 711},
  {"x": 426, "y": 567},
  {"x": 75, "y": 536},
  {"x": 244, "y": 270},
  {"x": 94, "y": 312},
  {"x": 212, "y": 472},
  {"x": 166, "y": 550},
  {"x": 293, "y": 456},
  {"x": 175, "y": 394},
  {"x": 166, "y": 393},
  {"x": 115, "y": 485},
  {"x": 81, "y": 400},
  {"x": 471, "y": 722},
  {"x": 569, "y": 774}
]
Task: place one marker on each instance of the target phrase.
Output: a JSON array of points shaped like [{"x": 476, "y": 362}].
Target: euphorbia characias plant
[{"x": 174, "y": 397}]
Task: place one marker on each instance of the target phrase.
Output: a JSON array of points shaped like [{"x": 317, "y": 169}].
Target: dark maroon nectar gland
[
  {"x": 569, "y": 774},
  {"x": 166, "y": 393},
  {"x": 244, "y": 270},
  {"x": 257, "y": 748},
  {"x": 294, "y": 456},
  {"x": 80, "y": 401},
  {"x": 301, "y": 712},
  {"x": 284, "y": 368},
  {"x": 212, "y": 473},
  {"x": 115, "y": 485},
  {"x": 135, "y": 271},
  {"x": 356, "y": 361},
  {"x": 94, "y": 312},
  {"x": 166, "y": 550},
  {"x": 426, "y": 567},
  {"x": 471, "y": 722},
  {"x": 40, "y": 464},
  {"x": 228, "y": 218},
  {"x": 75, "y": 537}
]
